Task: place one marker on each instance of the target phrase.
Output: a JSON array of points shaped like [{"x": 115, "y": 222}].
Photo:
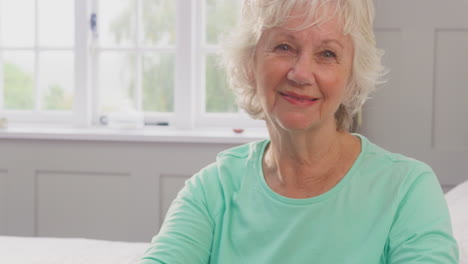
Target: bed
[
  {"x": 457, "y": 200},
  {"x": 33, "y": 250}
]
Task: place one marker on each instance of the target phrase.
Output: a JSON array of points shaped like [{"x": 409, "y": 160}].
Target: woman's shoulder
[
  {"x": 234, "y": 164},
  {"x": 231, "y": 157},
  {"x": 218, "y": 181},
  {"x": 394, "y": 175},
  {"x": 376, "y": 155},
  {"x": 249, "y": 150},
  {"x": 393, "y": 169}
]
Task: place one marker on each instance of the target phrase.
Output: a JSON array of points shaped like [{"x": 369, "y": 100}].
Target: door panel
[{"x": 421, "y": 111}]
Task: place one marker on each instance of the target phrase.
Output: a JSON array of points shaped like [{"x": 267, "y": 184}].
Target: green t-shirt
[{"x": 387, "y": 209}]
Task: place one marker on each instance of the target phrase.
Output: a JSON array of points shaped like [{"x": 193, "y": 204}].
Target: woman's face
[{"x": 301, "y": 76}]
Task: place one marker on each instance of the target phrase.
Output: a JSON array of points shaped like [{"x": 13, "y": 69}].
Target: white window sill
[{"x": 160, "y": 134}]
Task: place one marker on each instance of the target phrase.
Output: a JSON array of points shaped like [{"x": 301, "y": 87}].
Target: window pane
[
  {"x": 17, "y": 22},
  {"x": 219, "y": 98},
  {"x": 56, "y": 22},
  {"x": 220, "y": 16},
  {"x": 56, "y": 79},
  {"x": 18, "y": 74},
  {"x": 117, "y": 81},
  {"x": 116, "y": 22},
  {"x": 158, "y": 22},
  {"x": 158, "y": 82}
]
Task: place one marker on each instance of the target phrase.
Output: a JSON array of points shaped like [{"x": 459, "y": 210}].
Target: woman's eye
[
  {"x": 328, "y": 54},
  {"x": 283, "y": 47}
]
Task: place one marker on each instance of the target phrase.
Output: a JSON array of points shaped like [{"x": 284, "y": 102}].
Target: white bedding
[
  {"x": 28, "y": 250},
  {"x": 457, "y": 200},
  {"x": 32, "y": 250}
]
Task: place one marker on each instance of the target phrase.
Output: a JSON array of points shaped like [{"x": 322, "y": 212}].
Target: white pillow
[
  {"x": 457, "y": 201},
  {"x": 42, "y": 250}
]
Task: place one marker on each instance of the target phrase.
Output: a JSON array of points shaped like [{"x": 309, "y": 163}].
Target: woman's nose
[{"x": 301, "y": 72}]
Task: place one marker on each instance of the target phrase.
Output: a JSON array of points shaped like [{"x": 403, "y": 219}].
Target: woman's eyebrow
[
  {"x": 329, "y": 41},
  {"x": 286, "y": 34}
]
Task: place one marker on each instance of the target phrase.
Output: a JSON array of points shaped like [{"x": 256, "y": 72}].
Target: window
[
  {"x": 217, "y": 102},
  {"x": 32, "y": 45},
  {"x": 77, "y": 62},
  {"x": 134, "y": 56},
  {"x": 218, "y": 16}
]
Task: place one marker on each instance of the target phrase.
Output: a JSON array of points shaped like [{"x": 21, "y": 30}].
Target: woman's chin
[{"x": 298, "y": 123}]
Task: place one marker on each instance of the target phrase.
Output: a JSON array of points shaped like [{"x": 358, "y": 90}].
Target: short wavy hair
[{"x": 238, "y": 48}]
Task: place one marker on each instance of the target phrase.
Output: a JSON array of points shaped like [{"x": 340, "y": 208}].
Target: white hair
[{"x": 258, "y": 15}]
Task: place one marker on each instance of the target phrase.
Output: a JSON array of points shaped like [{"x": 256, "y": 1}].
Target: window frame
[
  {"x": 37, "y": 115},
  {"x": 95, "y": 48},
  {"x": 190, "y": 52},
  {"x": 239, "y": 119}
]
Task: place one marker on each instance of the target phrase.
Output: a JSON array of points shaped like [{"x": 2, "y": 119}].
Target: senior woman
[{"x": 313, "y": 192}]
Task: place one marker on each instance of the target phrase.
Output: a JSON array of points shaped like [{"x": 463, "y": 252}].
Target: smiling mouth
[{"x": 299, "y": 98}]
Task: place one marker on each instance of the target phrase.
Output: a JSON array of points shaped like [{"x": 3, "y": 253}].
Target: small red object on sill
[{"x": 238, "y": 130}]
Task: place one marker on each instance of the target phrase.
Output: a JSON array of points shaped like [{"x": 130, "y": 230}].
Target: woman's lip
[
  {"x": 297, "y": 96},
  {"x": 301, "y": 101}
]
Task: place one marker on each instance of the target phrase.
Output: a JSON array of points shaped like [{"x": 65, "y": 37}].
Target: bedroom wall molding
[
  {"x": 59, "y": 200},
  {"x": 101, "y": 190},
  {"x": 421, "y": 110},
  {"x": 450, "y": 133},
  {"x": 168, "y": 186},
  {"x": 3, "y": 201}
]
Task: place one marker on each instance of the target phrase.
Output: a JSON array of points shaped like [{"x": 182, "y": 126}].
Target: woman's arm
[
  {"x": 187, "y": 232},
  {"x": 421, "y": 231}
]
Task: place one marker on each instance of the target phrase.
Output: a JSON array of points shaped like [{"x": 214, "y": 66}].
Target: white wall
[
  {"x": 104, "y": 190},
  {"x": 421, "y": 111}
]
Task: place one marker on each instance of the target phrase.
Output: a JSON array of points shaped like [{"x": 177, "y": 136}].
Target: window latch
[{"x": 93, "y": 25}]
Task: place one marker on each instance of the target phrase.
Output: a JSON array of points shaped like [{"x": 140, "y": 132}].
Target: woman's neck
[{"x": 307, "y": 162}]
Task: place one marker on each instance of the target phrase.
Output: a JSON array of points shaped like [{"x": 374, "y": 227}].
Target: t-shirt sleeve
[
  {"x": 187, "y": 232},
  {"x": 421, "y": 231}
]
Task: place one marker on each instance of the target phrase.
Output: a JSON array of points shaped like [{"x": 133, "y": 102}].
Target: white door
[{"x": 422, "y": 110}]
